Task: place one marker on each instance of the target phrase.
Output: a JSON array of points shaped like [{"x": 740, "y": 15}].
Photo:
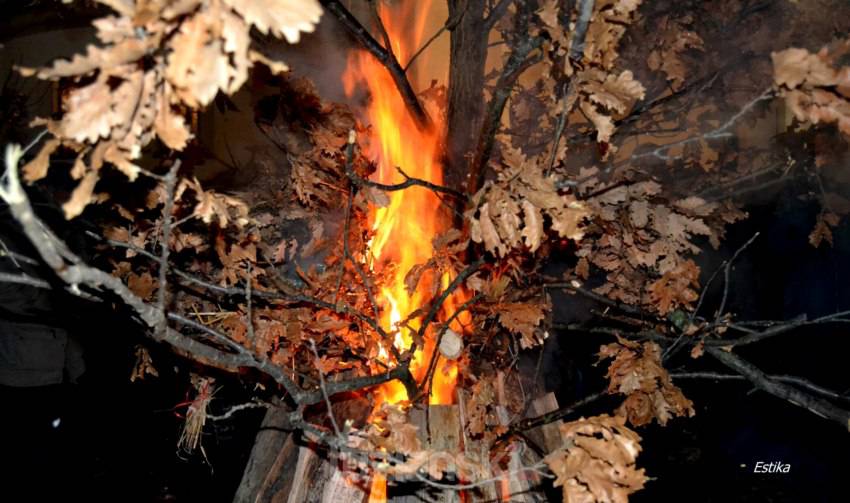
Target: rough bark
[
  {"x": 468, "y": 54},
  {"x": 273, "y": 454}
]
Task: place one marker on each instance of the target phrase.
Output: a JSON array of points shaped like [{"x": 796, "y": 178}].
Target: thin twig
[
  {"x": 408, "y": 182},
  {"x": 432, "y": 363},
  {"x": 324, "y": 388},
  {"x": 23, "y": 279},
  {"x": 719, "y": 132},
  {"x": 727, "y": 280},
  {"x": 555, "y": 415},
  {"x": 594, "y": 296},
  {"x": 518, "y": 61},
  {"x": 238, "y": 408},
  {"x": 585, "y": 12},
  {"x": 168, "y": 208},
  {"x": 248, "y": 300},
  {"x": 448, "y": 25},
  {"x": 727, "y": 272}
]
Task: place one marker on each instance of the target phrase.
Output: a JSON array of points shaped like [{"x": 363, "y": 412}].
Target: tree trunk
[{"x": 468, "y": 56}]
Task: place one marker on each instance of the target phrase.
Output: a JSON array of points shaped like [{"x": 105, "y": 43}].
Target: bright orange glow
[
  {"x": 404, "y": 229},
  {"x": 378, "y": 492}
]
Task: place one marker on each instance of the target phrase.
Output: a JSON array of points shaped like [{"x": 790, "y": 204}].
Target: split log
[
  {"x": 521, "y": 485},
  {"x": 547, "y": 436},
  {"x": 273, "y": 453},
  {"x": 439, "y": 429}
]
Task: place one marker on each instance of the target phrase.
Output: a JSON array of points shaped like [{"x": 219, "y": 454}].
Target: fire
[{"x": 406, "y": 227}]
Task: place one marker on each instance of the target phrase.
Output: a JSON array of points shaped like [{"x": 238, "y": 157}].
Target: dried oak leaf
[
  {"x": 814, "y": 90},
  {"x": 36, "y": 169},
  {"x": 598, "y": 461},
  {"x": 283, "y": 18},
  {"x": 483, "y": 230},
  {"x": 532, "y": 231},
  {"x": 674, "y": 288},
  {"x": 822, "y": 230},
  {"x": 213, "y": 205},
  {"x": 636, "y": 372},
  {"x": 607, "y": 27},
  {"x": 617, "y": 93},
  {"x": 603, "y": 123},
  {"x": 198, "y": 65},
  {"x": 674, "y": 41},
  {"x": 793, "y": 67},
  {"x": 144, "y": 365},
  {"x": 170, "y": 127},
  {"x": 81, "y": 196},
  {"x": 523, "y": 318},
  {"x": 143, "y": 285},
  {"x": 125, "y": 51},
  {"x": 391, "y": 429},
  {"x": 89, "y": 113}
]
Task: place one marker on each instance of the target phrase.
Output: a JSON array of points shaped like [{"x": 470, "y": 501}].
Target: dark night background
[{"x": 117, "y": 440}]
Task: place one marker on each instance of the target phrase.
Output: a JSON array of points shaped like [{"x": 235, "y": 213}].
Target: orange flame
[{"x": 405, "y": 228}]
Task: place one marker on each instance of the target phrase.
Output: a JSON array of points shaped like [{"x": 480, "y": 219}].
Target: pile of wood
[{"x": 282, "y": 470}]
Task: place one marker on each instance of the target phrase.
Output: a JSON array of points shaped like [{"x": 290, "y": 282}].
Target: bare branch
[
  {"x": 594, "y": 296},
  {"x": 764, "y": 382},
  {"x": 238, "y": 408},
  {"x": 170, "y": 183},
  {"x": 385, "y": 56},
  {"x": 799, "y": 381},
  {"x": 556, "y": 415},
  {"x": 727, "y": 271},
  {"x": 585, "y": 12},
  {"x": 778, "y": 329},
  {"x": 54, "y": 252},
  {"x": 23, "y": 279},
  {"x": 449, "y": 25},
  {"x": 324, "y": 389},
  {"x": 518, "y": 61}
]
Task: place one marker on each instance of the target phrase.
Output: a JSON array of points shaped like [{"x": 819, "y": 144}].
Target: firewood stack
[{"x": 306, "y": 474}]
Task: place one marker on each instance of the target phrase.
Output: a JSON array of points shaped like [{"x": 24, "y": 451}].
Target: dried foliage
[
  {"x": 156, "y": 60},
  {"x": 636, "y": 371},
  {"x": 292, "y": 288},
  {"x": 814, "y": 89},
  {"x": 509, "y": 213},
  {"x": 597, "y": 463}
]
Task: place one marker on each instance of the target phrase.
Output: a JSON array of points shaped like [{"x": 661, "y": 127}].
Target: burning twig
[
  {"x": 408, "y": 182},
  {"x": 386, "y": 58}
]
